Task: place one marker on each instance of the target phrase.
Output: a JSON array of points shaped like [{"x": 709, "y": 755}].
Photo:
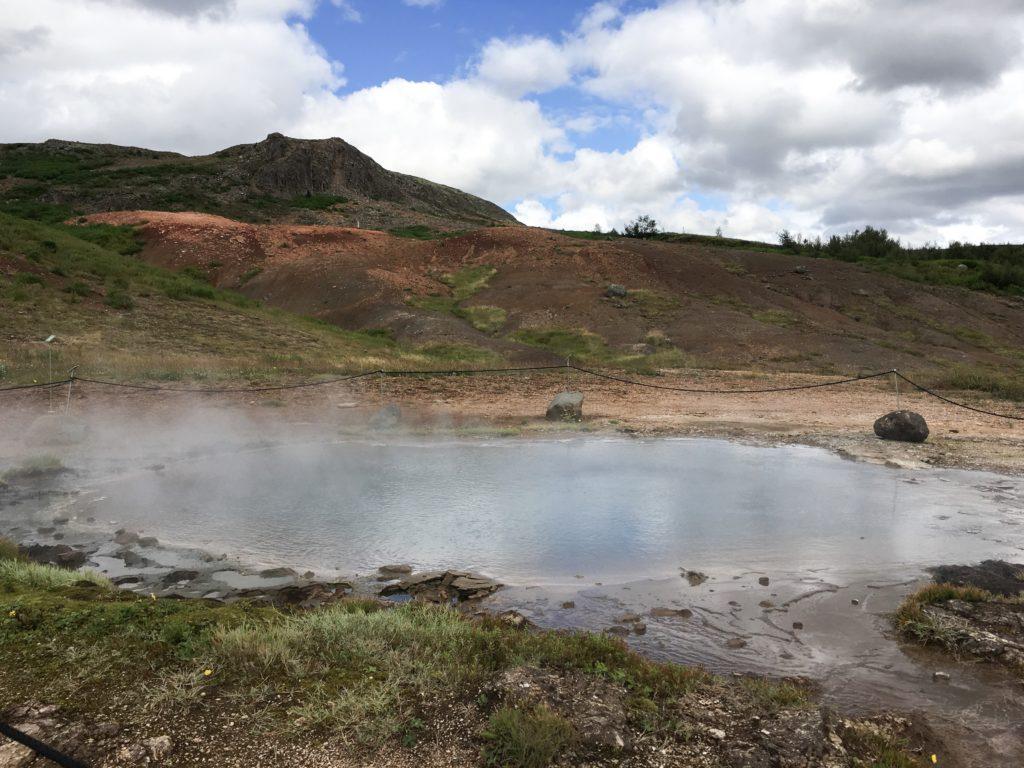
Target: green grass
[
  {"x": 978, "y": 379},
  {"x": 525, "y": 738},
  {"x": 464, "y": 284},
  {"x": 778, "y": 317},
  {"x": 485, "y": 318},
  {"x": 469, "y": 280},
  {"x": 587, "y": 348},
  {"x": 180, "y": 328},
  {"x": 914, "y": 624},
  {"x": 34, "y": 466},
  {"x": 423, "y": 232}
]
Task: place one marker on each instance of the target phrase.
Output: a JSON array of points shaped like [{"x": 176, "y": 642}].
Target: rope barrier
[
  {"x": 39, "y": 747},
  {"x": 958, "y": 404},
  {"x": 793, "y": 388},
  {"x": 567, "y": 366}
]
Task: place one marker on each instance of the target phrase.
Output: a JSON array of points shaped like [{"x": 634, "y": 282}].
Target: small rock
[
  {"x": 640, "y": 628},
  {"x": 627, "y": 618},
  {"x": 616, "y": 291},
  {"x": 940, "y": 677},
  {"x": 123, "y": 580},
  {"x": 148, "y": 541},
  {"x": 158, "y": 747},
  {"x": 566, "y": 406},
  {"x": 60, "y": 521},
  {"x": 735, "y": 642},
  {"x": 855, "y": 601},
  {"x": 568, "y": 604},
  {"x": 617, "y": 630},
  {"x": 665, "y": 613},
  {"x": 764, "y": 581},
  {"x": 178, "y": 576},
  {"x": 124, "y": 537},
  {"x": 401, "y": 568},
  {"x": 45, "y": 530},
  {"x": 798, "y": 625},
  {"x": 801, "y": 270},
  {"x": 13, "y": 754},
  {"x": 309, "y": 575},
  {"x": 716, "y": 733},
  {"x": 277, "y": 573},
  {"x": 696, "y": 578},
  {"x": 766, "y": 604}
]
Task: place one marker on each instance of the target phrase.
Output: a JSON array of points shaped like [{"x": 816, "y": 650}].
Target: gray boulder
[
  {"x": 905, "y": 426},
  {"x": 567, "y": 406},
  {"x": 615, "y": 291}
]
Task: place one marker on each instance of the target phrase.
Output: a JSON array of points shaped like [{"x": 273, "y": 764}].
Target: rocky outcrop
[
  {"x": 905, "y": 426},
  {"x": 56, "y": 554},
  {"x": 443, "y": 586},
  {"x": 567, "y": 406}
]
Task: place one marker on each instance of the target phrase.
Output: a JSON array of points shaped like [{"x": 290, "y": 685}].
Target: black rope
[
  {"x": 39, "y": 747},
  {"x": 471, "y": 371},
  {"x": 222, "y": 390},
  {"x": 792, "y": 388},
  {"x": 956, "y": 403},
  {"x": 44, "y": 385}
]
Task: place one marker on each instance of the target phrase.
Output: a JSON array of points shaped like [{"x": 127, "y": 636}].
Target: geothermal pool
[{"x": 550, "y": 511}]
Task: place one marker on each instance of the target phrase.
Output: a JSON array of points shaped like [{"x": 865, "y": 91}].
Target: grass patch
[
  {"x": 587, "y": 348},
  {"x": 423, "y": 232},
  {"x": 778, "y": 317},
  {"x": 525, "y": 738},
  {"x": 35, "y": 466},
  {"x": 914, "y": 624},
  {"x": 468, "y": 280},
  {"x": 980, "y": 380},
  {"x": 485, "y": 318}
]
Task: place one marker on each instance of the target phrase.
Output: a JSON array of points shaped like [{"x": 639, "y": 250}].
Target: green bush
[
  {"x": 118, "y": 299},
  {"x": 526, "y": 738}
]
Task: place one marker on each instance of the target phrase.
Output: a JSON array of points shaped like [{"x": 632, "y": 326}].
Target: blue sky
[{"x": 749, "y": 115}]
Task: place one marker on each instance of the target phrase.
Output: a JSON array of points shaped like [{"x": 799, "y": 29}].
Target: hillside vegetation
[{"x": 117, "y": 316}]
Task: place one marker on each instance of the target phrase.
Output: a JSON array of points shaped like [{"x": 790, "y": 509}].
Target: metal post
[
  {"x": 71, "y": 383},
  {"x": 49, "y": 379},
  {"x": 896, "y": 381}
]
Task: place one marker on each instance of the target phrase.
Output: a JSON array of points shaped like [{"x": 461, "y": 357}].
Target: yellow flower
[
  {"x": 207, "y": 672},
  {"x": 152, "y": 596},
  {"x": 13, "y": 614},
  {"x": 935, "y": 758}
]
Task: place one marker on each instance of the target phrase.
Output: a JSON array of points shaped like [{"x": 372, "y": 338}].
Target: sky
[{"x": 753, "y": 116}]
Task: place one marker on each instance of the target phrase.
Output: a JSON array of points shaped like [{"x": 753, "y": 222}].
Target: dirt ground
[{"x": 836, "y": 418}]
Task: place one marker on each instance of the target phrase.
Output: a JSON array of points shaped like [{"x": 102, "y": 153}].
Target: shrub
[
  {"x": 642, "y": 226},
  {"x": 118, "y": 299},
  {"x": 526, "y": 738}
]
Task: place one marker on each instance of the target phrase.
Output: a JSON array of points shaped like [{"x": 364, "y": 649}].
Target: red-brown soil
[{"x": 722, "y": 308}]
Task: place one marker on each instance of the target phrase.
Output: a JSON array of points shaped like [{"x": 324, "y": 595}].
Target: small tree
[
  {"x": 597, "y": 229},
  {"x": 642, "y": 226},
  {"x": 789, "y": 242}
]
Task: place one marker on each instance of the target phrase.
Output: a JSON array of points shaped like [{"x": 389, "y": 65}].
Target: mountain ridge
[{"x": 311, "y": 181}]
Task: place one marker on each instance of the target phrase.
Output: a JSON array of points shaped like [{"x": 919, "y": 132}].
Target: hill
[{"x": 277, "y": 179}]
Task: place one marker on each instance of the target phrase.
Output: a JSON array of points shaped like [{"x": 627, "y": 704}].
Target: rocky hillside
[{"x": 326, "y": 181}]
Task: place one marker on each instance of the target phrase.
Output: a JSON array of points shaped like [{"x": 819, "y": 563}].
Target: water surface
[{"x": 550, "y": 511}]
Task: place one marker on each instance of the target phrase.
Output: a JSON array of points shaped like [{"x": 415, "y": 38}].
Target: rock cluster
[{"x": 443, "y": 586}]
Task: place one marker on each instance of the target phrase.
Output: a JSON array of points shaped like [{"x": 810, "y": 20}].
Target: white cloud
[
  {"x": 753, "y": 115},
  {"x": 524, "y": 66},
  {"x": 347, "y": 10},
  {"x": 423, "y": 3}
]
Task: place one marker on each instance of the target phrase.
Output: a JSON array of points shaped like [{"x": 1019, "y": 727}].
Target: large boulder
[
  {"x": 567, "y": 406},
  {"x": 906, "y": 426}
]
